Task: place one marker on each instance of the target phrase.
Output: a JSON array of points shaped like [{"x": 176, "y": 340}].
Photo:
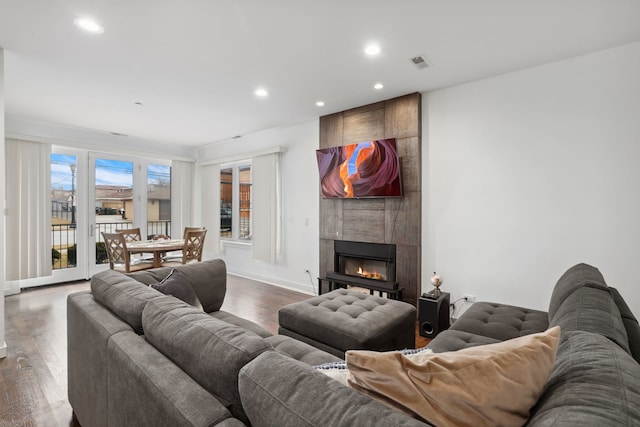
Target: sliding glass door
[
  {"x": 68, "y": 215},
  {"x": 113, "y": 201},
  {"x": 93, "y": 193}
]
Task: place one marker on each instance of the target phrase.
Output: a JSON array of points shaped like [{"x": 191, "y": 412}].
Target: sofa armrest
[
  {"x": 278, "y": 391},
  {"x": 89, "y": 327}
]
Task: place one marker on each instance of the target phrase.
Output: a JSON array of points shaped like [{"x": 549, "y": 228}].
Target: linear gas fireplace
[{"x": 371, "y": 265}]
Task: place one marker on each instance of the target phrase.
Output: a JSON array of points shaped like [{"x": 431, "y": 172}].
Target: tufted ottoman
[{"x": 344, "y": 320}]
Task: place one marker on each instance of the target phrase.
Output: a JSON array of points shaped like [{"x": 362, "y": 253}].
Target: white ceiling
[{"x": 194, "y": 64}]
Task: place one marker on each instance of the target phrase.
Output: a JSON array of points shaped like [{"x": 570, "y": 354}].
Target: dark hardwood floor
[{"x": 33, "y": 376}]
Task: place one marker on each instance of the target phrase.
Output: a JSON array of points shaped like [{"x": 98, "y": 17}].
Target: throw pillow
[
  {"x": 339, "y": 372},
  {"x": 178, "y": 285},
  {"x": 490, "y": 385}
]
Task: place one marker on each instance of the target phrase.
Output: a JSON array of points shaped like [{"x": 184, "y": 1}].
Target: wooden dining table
[{"x": 157, "y": 247}]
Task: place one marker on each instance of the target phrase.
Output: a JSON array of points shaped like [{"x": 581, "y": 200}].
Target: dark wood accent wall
[{"x": 392, "y": 220}]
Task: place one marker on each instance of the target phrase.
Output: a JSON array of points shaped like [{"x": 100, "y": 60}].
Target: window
[
  {"x": 63, "y": 210},
  {"x": 158, "y": 200},
  {"x": 244, "y": 230},
  {"x": 226, "y": 201},
  {"x": 235, "y": 202}
]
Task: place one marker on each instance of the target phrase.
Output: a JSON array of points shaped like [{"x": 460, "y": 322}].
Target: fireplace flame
[{"x": 368, "y": 275}]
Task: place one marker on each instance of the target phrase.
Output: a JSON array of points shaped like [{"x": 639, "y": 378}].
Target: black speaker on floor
[{"x": 433, "y": 315}]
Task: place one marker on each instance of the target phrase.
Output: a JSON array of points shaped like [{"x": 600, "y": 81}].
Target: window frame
[{"x": 235, "y": 202}]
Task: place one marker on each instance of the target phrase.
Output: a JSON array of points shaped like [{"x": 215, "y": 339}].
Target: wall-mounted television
[{"x": 364, "y": 170}]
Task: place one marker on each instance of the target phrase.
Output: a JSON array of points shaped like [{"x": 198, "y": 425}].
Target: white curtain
[
  {"x": 210, "y": 199},
  {"x": 265, "y": 183},
  {"x": 28, "y": 233},
  {"x": 182, "y": 180}
]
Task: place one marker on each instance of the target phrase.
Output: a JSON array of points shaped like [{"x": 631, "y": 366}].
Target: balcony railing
[{"x": 63, "y": 238}]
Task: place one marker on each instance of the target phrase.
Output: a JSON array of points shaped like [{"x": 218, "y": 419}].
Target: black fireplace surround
[{"x": 371, "y": 265}]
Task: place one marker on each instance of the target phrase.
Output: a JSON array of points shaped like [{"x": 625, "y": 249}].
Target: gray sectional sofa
[{"x": 139, "y": 357}]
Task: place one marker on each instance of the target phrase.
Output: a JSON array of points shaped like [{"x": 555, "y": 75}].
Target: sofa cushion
[
  {"x": 278, "y": 391},
  {"x": 300, "y": 351},
  {"x": 241, "y": 322},
  {"x": 576, "y": 277},
  {"x": 123, "y": 296},
  {"x": 593, "y": 383},
  {"x": 208, "y": 279},
  {"x": 592, "y": 310},
  {"x": 178, "y": 284},
  {"x": 501, "y": 321},
  {"x": 146, "y": 388},
  {"x": 209, "y": 350},
  {"x": 630, "y": 323},
  {"x": 491, "y": 385}
]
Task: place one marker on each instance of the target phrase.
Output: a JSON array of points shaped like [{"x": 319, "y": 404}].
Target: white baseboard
[
  {"x": 3, "y": 350},
  {"x": 292, "y": 286},
  {"x": 11, "y": 287}
]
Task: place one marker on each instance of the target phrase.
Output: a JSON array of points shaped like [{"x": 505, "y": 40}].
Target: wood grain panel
[
  {"x": 408, "y": 272},
  {"x": 364, "y": 109},
  {"x": 326, "y": 259},
  {"x": 410, "y": 161},
  {"x": 403, "y": 219},
  {"x": 365, "y": 126},
  {"x": 331, "y": 130},
  {"x": 364, "y": 225},
  {"x": 331, "y": 218},
  {"x": 403, "y": 116},
  {"x": 364, "y": 204}
]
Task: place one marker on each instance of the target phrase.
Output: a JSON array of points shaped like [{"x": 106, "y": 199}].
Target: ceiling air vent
[{"x": 420, "y": 62}]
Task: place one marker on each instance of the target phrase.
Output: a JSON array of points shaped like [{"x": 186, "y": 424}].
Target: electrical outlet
[{"x": 469, "y": 298}]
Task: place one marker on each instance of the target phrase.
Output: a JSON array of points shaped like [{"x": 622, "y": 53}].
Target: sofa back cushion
[
  {"x": 208, "y": 279},
  {"x": 593, "y": 383},
  {"x": 630, "y": 323},
  {"x": 178, "y": 284},
  {"x": 592, "y": 310},
  {"x": 576, "y": 277},
  {"x": 211, "y": 351},
  {"x": 279, "y": 391},
  {"x": 125, "y": 297}
]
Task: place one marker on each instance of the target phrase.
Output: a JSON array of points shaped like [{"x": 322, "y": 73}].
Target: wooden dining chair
[
  {"x": 191, "y": 251},
  {"x": 130, "y": 234},
  {"x": 119, "y": 257},
  {"x": 187, "y": 229},
  {"x": 134, "y": 235}
]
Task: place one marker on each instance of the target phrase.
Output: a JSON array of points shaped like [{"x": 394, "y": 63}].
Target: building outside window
[{"x": 236, "y": 202}]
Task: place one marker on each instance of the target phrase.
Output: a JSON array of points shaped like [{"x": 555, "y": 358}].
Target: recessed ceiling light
[
  {"x": 378, "y": 86},
  {"x": 89, "y": 25},
  {"x": 372, "y": 49},
  {"x": 261, "y": 92},
  {"x": 320, "y": 103}
]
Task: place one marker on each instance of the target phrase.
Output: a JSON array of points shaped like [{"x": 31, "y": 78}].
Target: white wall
[
  {"x": 299, "y": 211},
  {"x": 3, "y": 345},
  {"x": 531, "y": 172}
]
